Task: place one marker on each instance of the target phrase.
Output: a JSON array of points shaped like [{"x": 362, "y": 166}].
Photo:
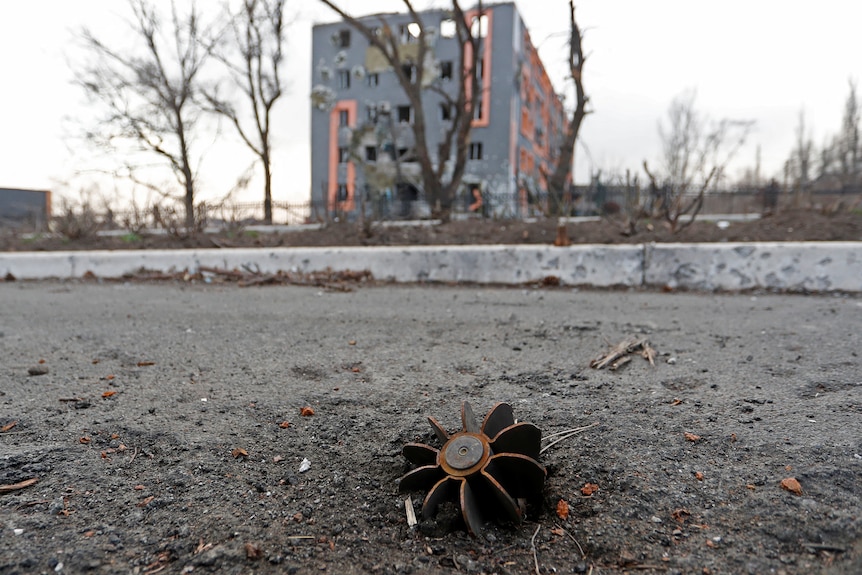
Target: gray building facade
[
  {"x": 30, "y": 208},
  {"x": 361, "y": 121}
]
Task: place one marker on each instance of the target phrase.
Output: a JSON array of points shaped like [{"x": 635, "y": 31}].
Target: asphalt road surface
[{"x": 164, "y": 426}]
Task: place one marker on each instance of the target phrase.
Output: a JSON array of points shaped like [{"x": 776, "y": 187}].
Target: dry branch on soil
[
  {"x": 16, "y": 486},
  {"x": 329, "y": 279},
  {"x": 620, "y": 354}
]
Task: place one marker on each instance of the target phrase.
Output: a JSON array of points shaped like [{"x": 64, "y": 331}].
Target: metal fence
[{"x": 584, "y": 201}]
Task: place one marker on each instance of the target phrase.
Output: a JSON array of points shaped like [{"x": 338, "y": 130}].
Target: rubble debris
[{"x": 334, "y": 280}]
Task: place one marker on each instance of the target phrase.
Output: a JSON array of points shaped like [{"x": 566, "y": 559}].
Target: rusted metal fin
[
  {"x": 470, "y": 510},
  {"x": 420, "y": 454},
  {"x": 438, "y": 430},
  {"x": 499, "y": 418},
  {"x": 523, "y": 438},
  {"x": 468, "y": 420},
  {"x": 509, "y": 506},
  {"x": 444, "y": 490},
  {"x": 520, "y": 476},
  {"x": 420, "y": 478}
]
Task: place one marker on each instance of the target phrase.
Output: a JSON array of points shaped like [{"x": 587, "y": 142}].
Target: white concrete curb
[
  {"x": 795, "y": 266},
  {"x": 814, "y": 266}
]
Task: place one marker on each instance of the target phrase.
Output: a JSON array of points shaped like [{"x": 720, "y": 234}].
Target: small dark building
[{"x": 30, "y": 208}]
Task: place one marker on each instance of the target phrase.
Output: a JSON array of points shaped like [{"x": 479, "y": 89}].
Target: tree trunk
[{"x": 267, "y": 191}]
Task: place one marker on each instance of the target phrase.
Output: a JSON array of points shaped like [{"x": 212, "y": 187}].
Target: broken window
[
  {"x": 371, "y": 113},
  {"x": 405, "y": 114},
  {"x": 445, "y": 111},
  {"x": 406, "y": 155},
  {"x": 475, "y": 150},
  {"x": 446, "y": 70},
  {"x": 477, "y": 115},
  {"x": 409, "y": 33},
  {"x": 343, "y": 154},
  {"x": 341, "y": 193},
  {"x": 479, "y": 26},
  {"x": 370, "y": 154},
  {"x": 343, "y": 117},
  {"x": 448, "y": 28},
  {"x": 372, "y": 79},
  {"x": 409, "y": 70},
  {"x": 344, "y": 38},
  {"x": 343, "y": 79}
]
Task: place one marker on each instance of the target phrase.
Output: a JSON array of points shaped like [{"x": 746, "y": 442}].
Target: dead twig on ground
[
  {"x": 533, "y": 547},
  {"x": 411, "y": 513},
  {"x": 619, "y": 354},
  {"x": 566, "y": 434},
  {"x": 17, "y": 486},
  {"x": 335, "y": 280},
  {"x": 570, "y": 536}
]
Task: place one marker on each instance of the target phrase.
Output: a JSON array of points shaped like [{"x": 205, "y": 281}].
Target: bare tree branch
[
  {"x": 149, "y": 96},
  {"x": 562, "y": 173},
  {"x": 253, "y": 60},
  {"x": 695, "y": 154}
]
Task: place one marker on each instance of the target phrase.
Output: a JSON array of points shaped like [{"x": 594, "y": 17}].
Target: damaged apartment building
[{"x": 361, "y": 121}]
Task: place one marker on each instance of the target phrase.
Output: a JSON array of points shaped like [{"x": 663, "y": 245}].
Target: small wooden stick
[
  {"x": 535, "y": 553},
  {"x": 16, "y": 486},
  {"x": 411, "y": 514}
]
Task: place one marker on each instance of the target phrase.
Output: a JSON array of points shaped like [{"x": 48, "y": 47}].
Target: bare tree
[
  {"x": 696, "y": 152},
  {"x": 253, "y": 59},
  {"x": 848, "y": 150},
  {"x": 799, "y": 165},
  {"x": 149, "y": 95},
  {"x": 415, "y": 73},
  {"x": 562, "y": 173}
]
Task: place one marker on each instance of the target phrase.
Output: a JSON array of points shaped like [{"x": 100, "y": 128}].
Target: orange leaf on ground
[
  {"x": 8, "y": 426},
  {"x": 252, "y": 551},
  {"x": 108, "y": 394},
  {"x": 306, "y": 411},
  {"x": 84, "y": 440},
  {"x": 284, "y": 424},
  {"x": 562, "y": 509},
  {"x": 110, "y": 377},
  {"x": 145, "y": 502},
  {"x": 698, "y": 475},
  {"x": 792, "y": 485},
  {"x": 589, "y": 488},
  {"x": 680, "y": 515},
  {"x": 239, "y": 452},
  {"x": 138, "y": 487},
  {"x": 691, "y": 436},
  {"x": 145, "y": 363}
]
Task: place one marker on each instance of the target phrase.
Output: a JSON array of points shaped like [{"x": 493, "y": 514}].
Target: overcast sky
[{"x": 763, "y": 60}]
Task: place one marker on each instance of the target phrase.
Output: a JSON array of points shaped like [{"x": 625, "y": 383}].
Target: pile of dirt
[{"x": 799, "y": 225}]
